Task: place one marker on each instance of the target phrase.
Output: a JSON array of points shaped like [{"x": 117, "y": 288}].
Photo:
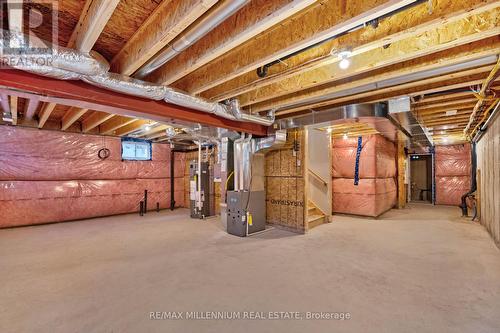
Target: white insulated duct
[
  {"x": 69, "y": 64},
  {"x": 192, "y": 35}
]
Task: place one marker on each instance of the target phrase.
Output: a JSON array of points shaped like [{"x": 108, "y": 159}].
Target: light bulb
[
  {"x": 345, "y": 136},
  {"x": 329, "y": 130},
  {"x": 147, "y": 128},
  {"x": 344, "y": 63}
]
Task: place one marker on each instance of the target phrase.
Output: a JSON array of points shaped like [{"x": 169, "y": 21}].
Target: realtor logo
[{"x": 28, "y": 28}]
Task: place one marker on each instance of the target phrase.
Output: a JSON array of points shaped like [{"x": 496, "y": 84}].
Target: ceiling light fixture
[
  {"x": 345, "y": 136},
  {"x": 329, "y": 130},
  {"x": 451, "y": 112},
  {"x": 344, "y": 59}
]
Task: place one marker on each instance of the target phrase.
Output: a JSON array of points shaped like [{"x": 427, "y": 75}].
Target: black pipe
[
  {"x": 141, "y": 208},
  {"x": 172, "y": 180},
  {"x": 262, "y": 71},
  {"x": 157, "y": 207},
  {"x": 473, "y": 187},
  {"x": 145, "y": 201}
]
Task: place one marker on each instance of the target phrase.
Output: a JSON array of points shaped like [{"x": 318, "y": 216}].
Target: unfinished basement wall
[
  {"x": 376, "y": 191},
  {"x": 452, "y": 172},
  {"x": 488, "y": 177},
  {"x": 49, "y": 176},
  {"x": 284, "y": 177}
]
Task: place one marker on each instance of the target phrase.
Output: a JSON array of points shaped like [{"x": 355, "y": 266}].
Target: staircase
[{"x": 315, "y": 216}]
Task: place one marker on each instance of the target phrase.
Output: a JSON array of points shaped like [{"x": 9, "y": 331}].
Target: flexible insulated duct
[
  {"x": 192, "y": 35},
  {"x": 68, "y": 64}
]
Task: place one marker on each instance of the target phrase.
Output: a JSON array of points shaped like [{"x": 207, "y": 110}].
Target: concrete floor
[{"x": 422, "y": 269}]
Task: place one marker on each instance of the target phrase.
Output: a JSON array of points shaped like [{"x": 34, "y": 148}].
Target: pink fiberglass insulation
[
  {"x": 376, "y": 191},
  {"x": 377, "y": 158},
  {"x": 372, "y": 197},
  {"x": 50, "y": 176},
  {"x": 453, "y": 160},
  {"x": 449, "y": 190},
  {"x": 453, "y": 166}
]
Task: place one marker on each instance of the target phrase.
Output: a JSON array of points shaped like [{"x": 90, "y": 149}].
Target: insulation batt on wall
[
  {"x": 49, "y": 177},
  {"x": 453, "y": 165},
  {"x": 376, "y": 192}
]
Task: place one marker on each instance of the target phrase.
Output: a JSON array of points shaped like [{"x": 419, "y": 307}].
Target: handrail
[{"x": 318, "y": 177}]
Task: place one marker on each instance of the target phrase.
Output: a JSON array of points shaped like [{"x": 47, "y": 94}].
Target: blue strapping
[{"x": 356, "y": 167}]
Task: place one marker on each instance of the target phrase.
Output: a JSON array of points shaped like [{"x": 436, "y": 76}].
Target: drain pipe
[
  {"x": 473, "y": 187},
  {"x": 200, "y": 29}
]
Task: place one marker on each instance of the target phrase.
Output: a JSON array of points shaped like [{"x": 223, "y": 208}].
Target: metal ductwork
[
  {"x": 192, "y": 35},
  {"x": 68, "y": 64}
]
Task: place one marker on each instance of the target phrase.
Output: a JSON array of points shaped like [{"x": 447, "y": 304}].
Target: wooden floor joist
[
  {"x": 410, "y": 23},
  {"x": 45, "y": 113},
  {"x": 168, "y": 20},
  {"x": 480, "y": 49},
  {"x": 474, "y": 28},
  {"x": 14, "y": 109},
  {"x": 95, "y": 120},
  {"x": 324, "y": 19},
  {"x": 109, "y": 127},
  {"x": 253, "y": 19}
]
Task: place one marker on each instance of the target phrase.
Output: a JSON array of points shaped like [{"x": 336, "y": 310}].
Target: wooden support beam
[
  {"x": 322, "y": 20},
  {"x": 31, "y": 108},
  {"x": 84, "y": 95},
  {"x": 443, "y": 97},
  {"x": 168, "y": 20},
  {"x": 136, "y": 125},
  {"x": 95, "y": 120},
  {"x": 45, "y": 113},
  {"x": 4, "y": 102},
  {"x": 450, "y": 57},
  {"x": 447, "y": 103},
  {"x": 14, "y": 109},
  {"x": 466, "y": 31},
  {"x": 110, "y": 126},
  {"x": 253, "y": 19},
  {"x": 94, "y": 18},
  {"x": 410, "y": 23},
  {"x": 458, "y": 107},
  {"x": 385, "y": 94},
  {"x": 444, "y": 116},
  {"x": 401, "y": 170},
  {"x": 156, "y": 132},
  {"x": 71, "y": 116}
]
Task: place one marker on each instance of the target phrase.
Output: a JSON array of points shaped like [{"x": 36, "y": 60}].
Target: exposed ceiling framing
[{"x": 437, "y": 52}]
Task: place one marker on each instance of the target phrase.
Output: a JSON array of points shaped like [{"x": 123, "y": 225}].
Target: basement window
[{"x": 136, "y": 149}]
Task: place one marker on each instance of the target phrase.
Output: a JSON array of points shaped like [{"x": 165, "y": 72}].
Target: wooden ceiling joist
[
  {"x": 14, "y": 109},
  {"x": 132, "y": 127},
  {"x": 253, "y": 19},
  {"x": 31, "y": 108},
  {"x": 410, "y": 23},
  {"x": 71, "y": 116},
  {"x": 424, "y": 87},
  {"x": 95, "y": 15},
  {"x": 453, "y": 56},
  {"x": 318, "y": 22},
  {"x": 447, "y": 103},
  {"x": 45, "y": 113},
  {"x": 95, "y": 120},
  {"x": 429, "y": 112},
  {"x": 109, "y": 127},
  {"x": 458, "y": 33},
  {"x": 424, "y": 100},
  {"x": 168, "y": 20}
]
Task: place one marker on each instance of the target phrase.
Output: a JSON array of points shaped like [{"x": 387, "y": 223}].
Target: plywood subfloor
[{"x": 422, "y": 269}]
